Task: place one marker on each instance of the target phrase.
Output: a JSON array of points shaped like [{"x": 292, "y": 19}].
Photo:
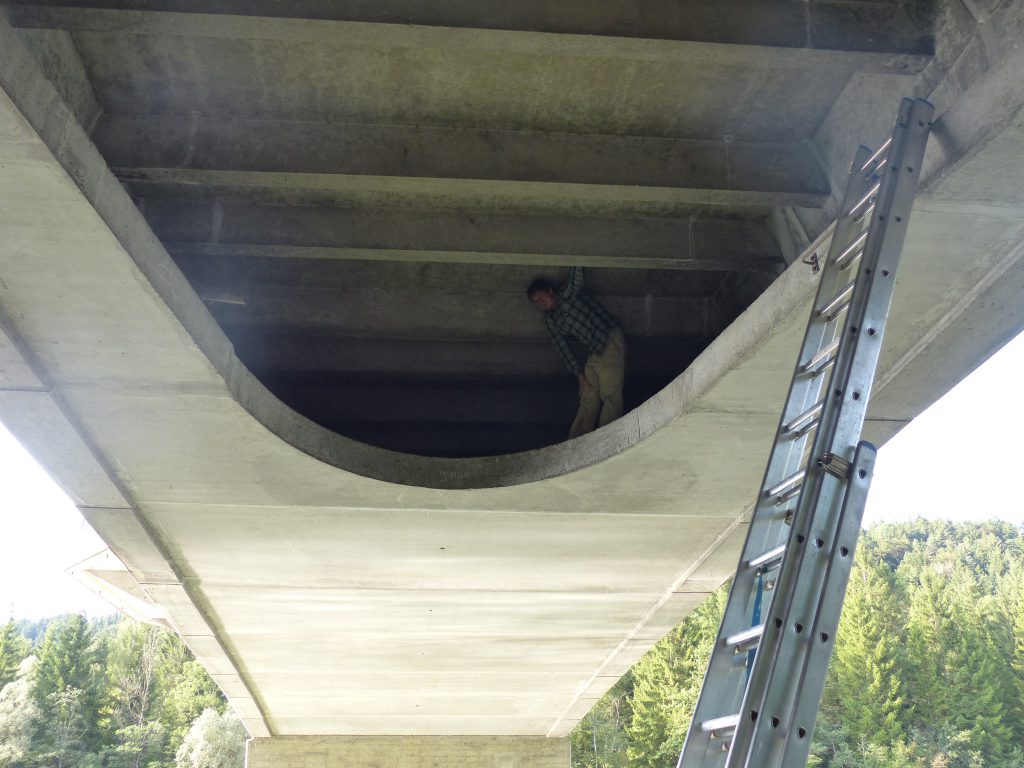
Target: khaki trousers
[{"x": 601, "y": 402}]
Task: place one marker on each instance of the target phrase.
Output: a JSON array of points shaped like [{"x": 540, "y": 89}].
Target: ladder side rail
[
  {"x": 772, "y": 690},
  {"x": 768, "y": 525},
  {"x": 823, "y": 628}
]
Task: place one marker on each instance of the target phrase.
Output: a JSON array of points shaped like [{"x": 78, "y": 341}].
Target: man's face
[{"x": 545, "y": 299}]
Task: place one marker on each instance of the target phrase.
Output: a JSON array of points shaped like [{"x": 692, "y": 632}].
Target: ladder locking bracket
[
  {"x": 835, "y": 465},
  {"x": 813, "y": 262}
]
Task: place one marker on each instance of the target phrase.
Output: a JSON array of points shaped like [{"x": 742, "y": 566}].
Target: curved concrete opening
[
  {"x": 446, "y": 358},
  {"x": 477, "y": 410}
]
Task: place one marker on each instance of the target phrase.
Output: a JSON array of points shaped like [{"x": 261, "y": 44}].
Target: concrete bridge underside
[{"x": 358, "y": 604}]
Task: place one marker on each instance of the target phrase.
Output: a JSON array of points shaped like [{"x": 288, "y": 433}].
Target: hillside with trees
[
  {"x": 927, "y": 672},
  {"x": 109, "y": 694}
]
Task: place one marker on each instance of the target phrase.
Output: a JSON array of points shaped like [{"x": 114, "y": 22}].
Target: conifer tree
[
  {"x": 18, "y": 716},
  {"x": 667, "y": 683},
  {"x": 867, "y": 695},
  {"x": 67, "y": 682},
  {"x": 14, "y": 648}
]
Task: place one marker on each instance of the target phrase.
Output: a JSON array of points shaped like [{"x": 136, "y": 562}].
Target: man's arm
[
  {"x": 574, "y": 284},
  {"x": 564, "y": 350}
]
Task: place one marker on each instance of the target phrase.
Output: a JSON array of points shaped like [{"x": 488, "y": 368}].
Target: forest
[
  {"x": 927, "y": 672},
  {"x": 109, "y": 693}
]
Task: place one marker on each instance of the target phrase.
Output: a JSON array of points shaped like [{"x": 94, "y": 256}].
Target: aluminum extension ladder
[{"x": 765, "y": 678}]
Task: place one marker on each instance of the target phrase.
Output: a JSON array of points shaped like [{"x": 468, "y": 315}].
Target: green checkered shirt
[{"x": 578, "y": 316}]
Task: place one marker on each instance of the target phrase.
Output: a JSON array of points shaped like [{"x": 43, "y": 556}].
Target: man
[{"x": 571, "y": 313}]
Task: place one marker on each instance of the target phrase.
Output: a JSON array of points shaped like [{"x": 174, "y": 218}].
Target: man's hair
[{"x": 538, "y": 285}]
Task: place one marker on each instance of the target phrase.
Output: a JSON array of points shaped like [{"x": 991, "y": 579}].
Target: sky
[{"x": 957, "y": 460}]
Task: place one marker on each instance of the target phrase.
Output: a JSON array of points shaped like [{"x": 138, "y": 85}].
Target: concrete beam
[
  {"x": 233, "y": 229},
  {"x": 407, "y": 752},
  {"x": 824, "y": 36},
  {"x": 376, "y": 192},
  {"x": 232, "y": 66},
  {"x": 55, "y": 52},
  {"x": 708, "y": 172},
  {"x": 225, "y": 272},
  {"x": 480, "y": 196},
  {"x": 546, "y": 260},
  {"x": 413, "y": 314}
]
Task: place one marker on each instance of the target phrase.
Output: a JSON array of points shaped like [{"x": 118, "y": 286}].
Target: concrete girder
[
  {"x": 229, "y": 228},
  {"x": 414, "y": 314},
  {"x": 707, "y": 172},
  {"x": 378, "y": 192},
  {"x": 55, "y": 51},
  {"x": 822, "y": 25},
  {"x": 167, "y": 63},
  {"x": 888, "y": 42},
  {"x": 545, "y": 260},
  {"x": 227, "y": 271},
  {"x": 415, "y": 752}
]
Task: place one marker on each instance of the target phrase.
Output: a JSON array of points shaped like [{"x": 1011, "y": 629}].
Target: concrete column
[{"x": 407, "y": 752}]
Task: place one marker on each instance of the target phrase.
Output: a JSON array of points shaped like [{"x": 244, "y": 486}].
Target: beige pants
[{"x": 601, "y": 402}]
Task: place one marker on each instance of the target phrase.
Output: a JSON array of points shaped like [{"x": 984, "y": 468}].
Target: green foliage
[
  {"x": 867, "y": 660},
  {"x": 135, "y": 737},
  {"x": 667, "y": 682},
  {"x": 186, "y": 692},
  {"x": 922, "y": 673},
  {"x": 14, "y": 648},
  {"x": 599, "y": 741},
  {"x": 214, "y": 741},
  {"x": 102, "y": 695},
  {"x": 67, "y": 689},
  {"x": 927, "y": 672},
  {"x": 18, "y": 715}
]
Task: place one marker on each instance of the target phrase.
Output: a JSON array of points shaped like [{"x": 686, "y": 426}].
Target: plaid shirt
[{"x": 578, "y": 316}]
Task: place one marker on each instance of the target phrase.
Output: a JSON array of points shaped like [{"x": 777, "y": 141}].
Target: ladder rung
[
  {"x": 805, "y": 420},
  {"x": 837, "y": 304},
  {"x": 867, "y": 197},
  {"x": 791, "y": 483},
  {"x": 767, "y": 559},
  {"x": 720, "y": 724},
  {"x": 824, "y": 368},
  {"x": 850, "y": 253},
  {"x": 878, "y": 153},
  {"x": 825, "y": 354},
  {"x": 745, "y": 640},
  {"x": 866, "y": 212}
]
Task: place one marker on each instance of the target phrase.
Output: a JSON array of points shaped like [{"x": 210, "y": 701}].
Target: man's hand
[{"x": 584, "y": 383}]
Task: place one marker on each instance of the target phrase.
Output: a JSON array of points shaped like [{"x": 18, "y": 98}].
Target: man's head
[{"x": 542, "y": 294}]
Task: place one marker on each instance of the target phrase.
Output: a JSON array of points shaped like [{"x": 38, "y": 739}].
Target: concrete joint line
[
  {"x": 194, "y": 119},
  {"x": 991, "y": 278},
  {"x": 807, "y": 23},
  {"x": 666, "y": 596},
  {"x": 983, "y": 30},
  {"x": 25, "y": 389}
]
